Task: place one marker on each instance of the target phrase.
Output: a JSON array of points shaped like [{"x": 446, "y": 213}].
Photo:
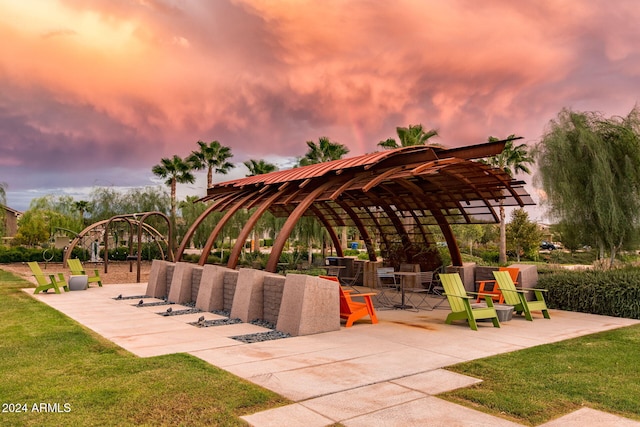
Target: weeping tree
[{"x": 589, "y": 167}]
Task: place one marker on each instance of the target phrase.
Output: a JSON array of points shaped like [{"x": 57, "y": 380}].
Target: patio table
[{"x": 403, "y": 275}]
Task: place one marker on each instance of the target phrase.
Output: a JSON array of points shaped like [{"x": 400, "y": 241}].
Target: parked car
[{"x": 548, "y": 246}]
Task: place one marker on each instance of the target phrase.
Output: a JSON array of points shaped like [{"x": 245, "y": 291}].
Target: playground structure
[{"x": 136, "y": 225}]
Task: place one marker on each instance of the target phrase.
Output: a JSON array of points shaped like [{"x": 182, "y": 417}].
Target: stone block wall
[
  {"x": 229, "y": 286},
  {"x": 169, "y": 277},
  {"x": 157, "y": 284},
  {"x": 196, "y": 276},
  {"x": 310, "y": 305},
  {"x": 273, "y": 289}
]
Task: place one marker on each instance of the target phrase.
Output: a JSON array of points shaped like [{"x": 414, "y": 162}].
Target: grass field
[
  {"x": 531, "y": 386},
  {"x": 56, "y": 372}
]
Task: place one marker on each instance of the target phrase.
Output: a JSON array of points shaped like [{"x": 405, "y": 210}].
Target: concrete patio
[{"x": 375, "y": 375}]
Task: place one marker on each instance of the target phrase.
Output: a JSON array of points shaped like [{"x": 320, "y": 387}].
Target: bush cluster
[{"x": 611, "y": 293}]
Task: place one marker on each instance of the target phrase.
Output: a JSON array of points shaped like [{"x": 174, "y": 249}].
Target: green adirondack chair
[
  {"x": 460, "y": 303},
  {"x": 45, "y": 283},
  {"x": 77, "y": 269},
  {"x": 518, "y": 298}
]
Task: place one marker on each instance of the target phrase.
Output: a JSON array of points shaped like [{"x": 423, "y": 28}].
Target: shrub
[{"x": 612, "y": 293}]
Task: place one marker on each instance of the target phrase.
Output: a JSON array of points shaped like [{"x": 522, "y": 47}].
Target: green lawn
[
  {"x": 531, "y": 386},
  {"x": 47, "y": 358}
]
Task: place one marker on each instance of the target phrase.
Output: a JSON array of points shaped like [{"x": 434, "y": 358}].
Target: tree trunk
[{"x": 502, "y": 258}]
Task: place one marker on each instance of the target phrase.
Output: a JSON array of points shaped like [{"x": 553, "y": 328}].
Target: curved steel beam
[
  {"x": 371, "y": 252},
  {"x": 289, "y": 224},
  {"x": 192, "y": 229},
  {"x": 218, "y": 228},
  {"x": 332, "y": 232},
  {"x": 246, "y": 230}
]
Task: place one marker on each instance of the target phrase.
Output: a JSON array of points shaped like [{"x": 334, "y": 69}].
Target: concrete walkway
[{"x": 367, "y": 375}]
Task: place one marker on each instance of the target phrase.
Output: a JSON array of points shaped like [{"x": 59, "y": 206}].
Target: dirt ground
[{"x": 118, "y": 272}]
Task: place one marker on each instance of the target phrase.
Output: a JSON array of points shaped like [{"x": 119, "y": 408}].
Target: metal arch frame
[
  {"x": 289, "y": 224},
  {"x": 246, "y": 230},
  {"x": 149, "y": 229},
  {"x": 362, "y": 190},
  {"x": 327, "y": 225},
  {"x": 140, "y": 224},
  {"x": 192, "y": 229},
  {"x": 219, "y": 226},
  {"x": 371, "y": 252}
]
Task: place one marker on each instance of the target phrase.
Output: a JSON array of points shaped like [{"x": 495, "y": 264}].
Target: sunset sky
[{"x": 94, "y": 93}]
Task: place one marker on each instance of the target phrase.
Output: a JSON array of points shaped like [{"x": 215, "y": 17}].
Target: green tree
[
  {"x": 522, "y": 234},
  {"x": 259, "y": 167},
  {"x": 212, "y": 156},
  {"x": 175, "y": 170},
  {"x": 512, "y": 160},
  {"x": 324, "y": 151},
  {"x": 468, "y": 233},
  {"x": 409, "y": 136},
  {"x": 589, "y": 167},
  {"x": 33, "y": 228}
]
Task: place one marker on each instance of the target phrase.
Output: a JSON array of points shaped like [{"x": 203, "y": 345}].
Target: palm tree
[
  {"x": 212, "y": 156},
  {"x": 511, "y": 160},
  {"x": 409, "y": 136},
  {"x": 325, "y": 151},
  {"x": 259, "y": 167},
  {"x": 82, "y": 206},
  {"x": 175, "y": 170}
]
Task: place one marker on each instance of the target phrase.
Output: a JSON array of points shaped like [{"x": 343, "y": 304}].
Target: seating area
[
  {"x": 518, "y": 297},
  {"x": 48, "y": 281},
  {"x": 77, "y": 269},
  {"x": 351, "y": 310},
  {"x": 460, "y": 303},
  {"x": 58, "y": 281}
]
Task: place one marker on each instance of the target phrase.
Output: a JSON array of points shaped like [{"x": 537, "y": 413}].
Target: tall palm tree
[
  {"x": 212, "y": 156},
  {"x": 175, "y": 170},
  {"x": 259, "y": 167},
  {"x": 409, "y": 136},
  {"x": 82, "y": 206},
  {"x": 512, "y": 160},
  {"x": 324, "y": 151}
]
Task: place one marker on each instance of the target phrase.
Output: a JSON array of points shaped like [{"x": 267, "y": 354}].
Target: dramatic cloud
[{"x": 100, "y": 91}]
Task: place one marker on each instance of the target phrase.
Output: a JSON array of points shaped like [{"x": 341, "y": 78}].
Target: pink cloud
[{"x": 136, "y": 81}]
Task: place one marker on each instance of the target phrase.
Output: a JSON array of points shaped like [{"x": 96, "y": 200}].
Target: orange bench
[
  {"x": 495, "y": 290},
  {"x": 351, "y": 310}
]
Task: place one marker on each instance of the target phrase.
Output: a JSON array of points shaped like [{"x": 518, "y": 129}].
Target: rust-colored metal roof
[
  {"x": 400, "y": 193},
  {"x": 412, "y": 154}
]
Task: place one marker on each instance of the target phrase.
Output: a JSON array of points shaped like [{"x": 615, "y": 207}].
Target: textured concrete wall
[
  {"x": 248, "y": 300},
  {"x": 157, "y": 284},
  {"x": 180, "y": 291},
  {"x": 229, "y": 288},
  {"x": 211, "y": 290},
  {"x": 196, "y": 276},
  {"x": 169, "y": 276},
  {"x": 467, "y": 273},
  {"x": 273, "y": 289},
  {"x": 309, "y": 306}
]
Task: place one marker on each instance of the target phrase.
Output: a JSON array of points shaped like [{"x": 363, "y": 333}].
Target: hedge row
[
  {"x": 22, "y": 254},
  {"x": 611, "y": 293}
]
